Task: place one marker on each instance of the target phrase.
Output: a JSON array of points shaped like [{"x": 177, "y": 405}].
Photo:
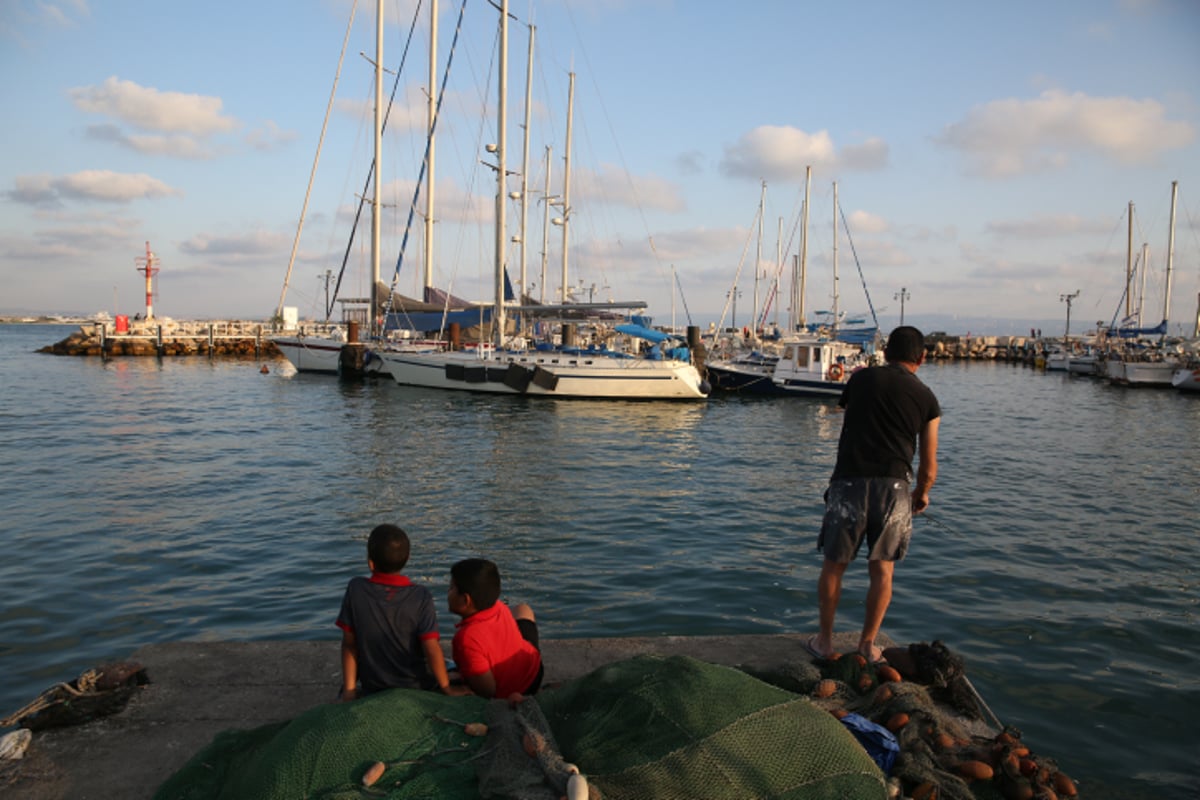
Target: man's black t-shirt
[{"x": 886, "y": 407}]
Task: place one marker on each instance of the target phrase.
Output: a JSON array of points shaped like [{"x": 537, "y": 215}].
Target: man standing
[{"x": 888, "y": 409}]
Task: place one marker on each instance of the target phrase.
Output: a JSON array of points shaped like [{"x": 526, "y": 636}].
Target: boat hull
[
  {"x": 549, "y": 375},
  {"x": 1187, "y": 380},
  {"x": 311, "y": 353}
]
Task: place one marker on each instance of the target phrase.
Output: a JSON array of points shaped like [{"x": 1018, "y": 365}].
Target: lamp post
[
  {"x": 1068, "y": 299},
  {"x": 902, "y": 295}
]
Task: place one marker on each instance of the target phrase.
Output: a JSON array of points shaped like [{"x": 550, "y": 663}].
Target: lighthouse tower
[{"x": 148, "y": 264}]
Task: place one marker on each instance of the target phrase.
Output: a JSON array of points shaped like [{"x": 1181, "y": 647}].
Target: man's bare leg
[
  {"x": 829, "y": 592},
  {"x": 879, "y": 596}
]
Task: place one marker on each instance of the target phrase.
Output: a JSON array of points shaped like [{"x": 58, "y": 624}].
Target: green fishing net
[{"x": 647, "y": 727}]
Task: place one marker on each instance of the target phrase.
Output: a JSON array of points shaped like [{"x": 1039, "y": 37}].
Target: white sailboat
[
  {"x": 810, "y": 364},
  {"x": 500, "y": 366},
  {"x": 323, "y": 347},
  {"x": 1150, "y": 366}
]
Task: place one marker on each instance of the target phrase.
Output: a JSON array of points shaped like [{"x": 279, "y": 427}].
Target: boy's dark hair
[
  {"x": 479, "y": 578},
  {"x": 905, "y": 343},
  {"x": 388, "y": 548}
]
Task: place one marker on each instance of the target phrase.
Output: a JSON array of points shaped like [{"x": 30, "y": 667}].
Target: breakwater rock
[{"x": 187, "y": 339}]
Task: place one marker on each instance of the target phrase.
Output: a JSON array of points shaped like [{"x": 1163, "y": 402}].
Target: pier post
[
  {"x": 159, "y": 346},
  {"x": 258, "y": 341},
  {"x": 210, "y": 340}
]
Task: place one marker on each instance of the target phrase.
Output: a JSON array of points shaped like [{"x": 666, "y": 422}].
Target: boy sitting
[
  {"x": 389, "y": 625},
  {"x": 495, "y": 649}
]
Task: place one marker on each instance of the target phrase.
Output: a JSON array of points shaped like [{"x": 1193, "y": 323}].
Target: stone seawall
[{"x": 194, "y": 340}]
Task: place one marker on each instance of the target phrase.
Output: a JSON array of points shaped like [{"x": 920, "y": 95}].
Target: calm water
[{"x": 189, "y": 499}]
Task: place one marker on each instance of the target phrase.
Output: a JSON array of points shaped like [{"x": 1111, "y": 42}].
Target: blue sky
[{"x": 985, "y": 154}]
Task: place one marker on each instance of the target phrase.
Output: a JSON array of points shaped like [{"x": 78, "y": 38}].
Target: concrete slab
[{"x": 199, "y": 689}]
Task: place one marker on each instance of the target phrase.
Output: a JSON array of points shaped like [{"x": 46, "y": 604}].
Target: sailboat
[
  {"x": 813, "y": 363},
  {"x": 335, "y": 348},
  {"x": 1136, "y": 364},
  {"x": 658, "y": 367}
]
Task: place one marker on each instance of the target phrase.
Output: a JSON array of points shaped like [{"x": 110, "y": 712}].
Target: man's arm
[
  {"x": 349, "y": 666},
  {"x": 927, "y": 466}
]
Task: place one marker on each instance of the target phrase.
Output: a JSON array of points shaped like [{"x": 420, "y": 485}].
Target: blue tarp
[
  {"x": 649, "y": 334},
  {"x": 1129, "y": 333},
  {"x": 432, "y": 320}
]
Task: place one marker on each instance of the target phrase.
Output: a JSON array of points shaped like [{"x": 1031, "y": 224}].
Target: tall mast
[
  {"x": 376, "y": 199},
  {"x": 762, "y": 201},
  {"x": 798, "y": 292},
  {"x": 566, "y": 198},
  {"x": 1170, "y": 259},
  {"x": 835, "y": 259},
  {"x": 778, "y": 269},
  {"x": 430, "y": 116},
  {"x": 525, "y": 167},
  {"x": 545, "y": 228},
  {"x": 1129, "y": 266},
  {"x": 501, "y": 149}
]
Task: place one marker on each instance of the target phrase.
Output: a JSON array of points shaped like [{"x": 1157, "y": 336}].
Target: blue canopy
[{"x": 642, "y": 332}]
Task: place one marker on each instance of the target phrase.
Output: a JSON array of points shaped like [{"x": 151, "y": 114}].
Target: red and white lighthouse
[{"x": 149, "y": 265}]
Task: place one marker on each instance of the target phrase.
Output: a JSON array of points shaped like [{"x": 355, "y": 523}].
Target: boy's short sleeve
[
  {"x": 345, "y": 618},
  {"x": 427, "y": 625}
]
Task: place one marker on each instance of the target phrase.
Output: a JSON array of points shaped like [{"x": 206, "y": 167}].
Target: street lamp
[
  {"x": 1068, "y": 299},
  {"x": 902, "y": 295}
]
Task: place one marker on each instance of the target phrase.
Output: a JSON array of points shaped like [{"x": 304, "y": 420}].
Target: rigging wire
[
  {"x": 316, "y": 160},
  {"x": 412, "y": 209},
  {"x": 362, "y": 199}
]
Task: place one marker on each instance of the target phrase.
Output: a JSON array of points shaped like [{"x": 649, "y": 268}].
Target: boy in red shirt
[{"x": 495, "y": 649}]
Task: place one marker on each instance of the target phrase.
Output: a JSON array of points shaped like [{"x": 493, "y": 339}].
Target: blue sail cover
[
  {"x": 1130, "y": 333},
  {"x": 425, "y": 321},
  {"x": 642, "y": 332},
  {"x": 857, "y": 335}
]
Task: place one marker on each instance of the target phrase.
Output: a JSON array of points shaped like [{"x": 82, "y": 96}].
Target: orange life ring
[{"x": 836, "y": 372}]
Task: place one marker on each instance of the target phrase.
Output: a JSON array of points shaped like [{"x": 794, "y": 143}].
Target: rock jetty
[{"x": 168, "y": 338}]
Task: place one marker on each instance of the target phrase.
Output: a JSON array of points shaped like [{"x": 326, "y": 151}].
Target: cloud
[
  {"x": 269, "y": 136},
  {"x": 238, "y": 248},
  {"x": 176, "y": 145},
  {"x": 613, "y": 185},
  {"x": 781, "y": 153},
  {"x": 1012, "y": 137},
  {"x": 1048, "y": 227},
  {"x": 90, "y": 185},
  {"x": 152, "y": 110},
  {"x": 866, "y": 222}
]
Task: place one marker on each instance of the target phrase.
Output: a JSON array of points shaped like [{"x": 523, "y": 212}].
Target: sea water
[{"x": 152, "y": 500}]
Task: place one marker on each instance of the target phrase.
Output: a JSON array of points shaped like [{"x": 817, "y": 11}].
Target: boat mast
[
  {"x": 1170, "y": 262},
  {"x": 778, "y": 269},
  {"x": 547, "y": 199},
  {"x": 501, "y": 148},
  {"x": 835, "y": 260},
  {"x": 762, "y": 201},
  {"x": 1142, "y": 294},
  {"x": 376, "y": 199},
  {"x": 431, "y": 118},
  {"x": 525, "y": 168},
  {"x": 1129, "y": 266},
  {"x": 798, "y": 292},
  {"x": 566, "y": 198}
]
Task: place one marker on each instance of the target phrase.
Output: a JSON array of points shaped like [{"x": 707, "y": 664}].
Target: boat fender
[{"x": 836, "y": 372}]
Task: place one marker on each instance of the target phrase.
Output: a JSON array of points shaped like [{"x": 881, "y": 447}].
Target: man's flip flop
[{"x": 810, "y": 644}]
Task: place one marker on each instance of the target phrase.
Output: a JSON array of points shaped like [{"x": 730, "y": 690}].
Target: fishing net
[
  {"x": 950, "y": 747},
  {"x": 648, "y": 727}
]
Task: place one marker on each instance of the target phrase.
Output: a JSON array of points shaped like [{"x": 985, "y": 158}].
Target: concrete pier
[{"x": 198, "y": 689}]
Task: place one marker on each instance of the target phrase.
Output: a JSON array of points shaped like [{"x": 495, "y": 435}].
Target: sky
[{"x": 985, "y": 156}]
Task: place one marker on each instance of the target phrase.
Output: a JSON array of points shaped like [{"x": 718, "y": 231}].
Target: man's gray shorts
[{"x": 876, "y": 509}]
